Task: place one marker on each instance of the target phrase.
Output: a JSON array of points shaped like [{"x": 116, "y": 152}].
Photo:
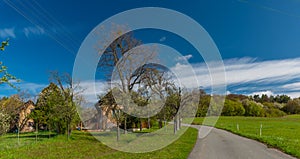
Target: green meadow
[{"x": 84, "y": 145}]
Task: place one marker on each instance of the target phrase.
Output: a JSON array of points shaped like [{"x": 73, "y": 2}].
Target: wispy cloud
[
  {"x": 163, "y": 39},
  {"x": 186, "y": 57},
  {"x": 33, "y": 31},
  {"x": 243, "y": 71},
  {"x": 273, "y": 71},
  {"x": 246, "y": 75},
  {"x": 31, "y": 88},
  {"x": 7, "y": 33},
  {"x": 292, "y": 86}
]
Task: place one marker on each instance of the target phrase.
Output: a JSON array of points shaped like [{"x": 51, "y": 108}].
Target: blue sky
[{"x": 258, "y": 40}]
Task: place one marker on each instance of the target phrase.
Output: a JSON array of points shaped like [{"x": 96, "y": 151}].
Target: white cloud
[
  {"x": 34, "y": 88},
  {"x": 292, "y": 86},
  {"x": 29, "y": 87},
  {"x": 162, "y": 39},
  {"x": 184, "y": 58},
  {"x": 293, "y": 94},
  {"x": 7, "y": 33},
  {"x": 92, "y": 89},
  {"x": 243, "y": 71},
  {"x": 262, "y": 92},
  {"x": 33, "y": 31},
  {"x": 263, "y": 71}
]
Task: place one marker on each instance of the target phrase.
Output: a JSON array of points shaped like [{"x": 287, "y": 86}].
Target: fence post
[{"x": 260, "y": 130}]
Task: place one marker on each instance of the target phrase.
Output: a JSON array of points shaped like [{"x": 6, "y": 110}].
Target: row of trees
[
  {"x": 261, "y": 106},
  {"x": 271, "y": 99}
]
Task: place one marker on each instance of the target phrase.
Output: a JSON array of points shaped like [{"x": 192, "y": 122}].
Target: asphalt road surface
[{"x": 220, "y": 144}]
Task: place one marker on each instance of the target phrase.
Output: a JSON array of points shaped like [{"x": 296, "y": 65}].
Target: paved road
[{"x": 220, "y": 144}]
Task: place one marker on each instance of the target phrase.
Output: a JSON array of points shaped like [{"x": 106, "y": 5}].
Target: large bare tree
[{"x": 120, "y": 60}]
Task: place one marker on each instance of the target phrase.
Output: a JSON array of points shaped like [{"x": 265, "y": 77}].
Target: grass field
[
  {"x": 282, "y": 133},
  {"x": 83, "y": 145}
]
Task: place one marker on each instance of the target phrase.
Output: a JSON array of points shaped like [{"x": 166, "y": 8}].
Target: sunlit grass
[{"x": 84, "y": 145}]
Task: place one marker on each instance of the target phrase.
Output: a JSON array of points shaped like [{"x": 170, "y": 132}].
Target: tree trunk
[
  {"x": 100, "y": 121},
  {"x": 149, "y": 124},
  {"x": 58, "y": 128},
  {"x": 18, "y": 136},
  {"x": 177, "y": 122},
  {"x": 105, "y": 124},
  {"x": 36, "y": 131},
  {"x": 175, "y": 125},
  {"x": 141, "y": 125},
  {"x": 160, "y": 124},
  {"x": 68, "y": 132},
  {"x": 118, "y": 131},
  {"x": 49, "y": 131},
  {"x": 165, "y": 122},
  {"x": 125, "y": 125}
]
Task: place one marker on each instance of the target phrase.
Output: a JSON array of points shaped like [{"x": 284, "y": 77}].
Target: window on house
[{"x": 30, "y": 124}]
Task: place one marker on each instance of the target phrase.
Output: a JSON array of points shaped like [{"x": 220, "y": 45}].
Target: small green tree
[
  {"x": 56, "y": 105},
  {"x": 233, "y": 108},
  {"x": 252, "y": 108},
  {"x": 292, "y": 106},
  {"x": 203, "y": 105},
  {"x": 45, "y": 114},
  {"x": 70, "y": 94}
]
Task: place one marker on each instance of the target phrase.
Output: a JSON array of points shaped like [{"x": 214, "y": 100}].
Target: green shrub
[
  {"x": 233, "y": 108},
  {"x": 253, "y": 109}
]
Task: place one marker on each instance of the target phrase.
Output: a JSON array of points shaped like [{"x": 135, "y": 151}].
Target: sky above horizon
[{"x": 258, "y": 40}]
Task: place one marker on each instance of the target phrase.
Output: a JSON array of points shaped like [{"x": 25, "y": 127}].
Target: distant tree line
[{"x": 258, "y": 106}]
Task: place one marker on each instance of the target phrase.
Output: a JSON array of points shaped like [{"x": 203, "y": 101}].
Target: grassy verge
[
  {"x": 83, "y": 145},
  {"x": 281, "y": 133}
]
